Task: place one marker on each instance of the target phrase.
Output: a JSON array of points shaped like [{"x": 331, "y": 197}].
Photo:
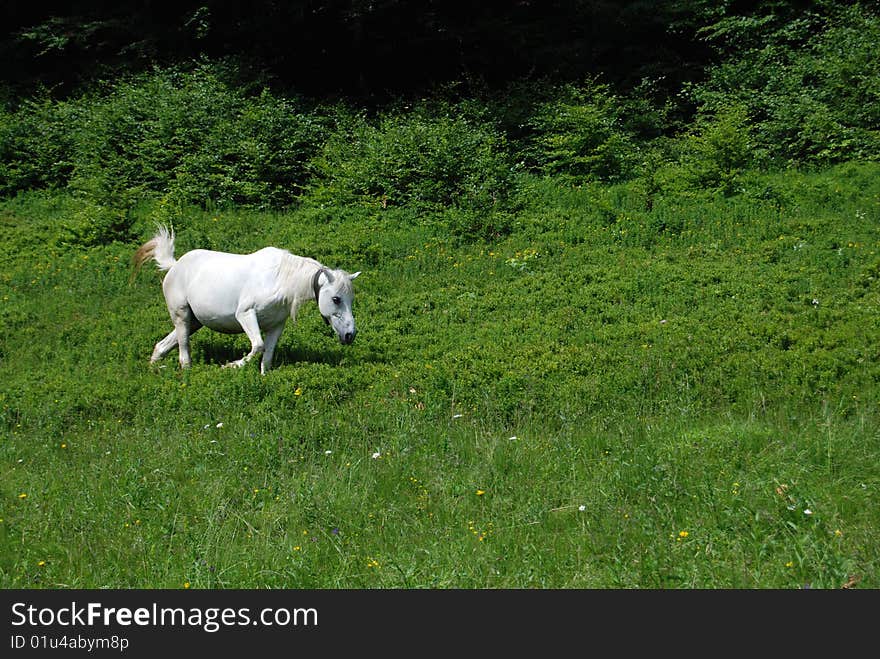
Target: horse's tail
[{"x": 160, "y": 248}]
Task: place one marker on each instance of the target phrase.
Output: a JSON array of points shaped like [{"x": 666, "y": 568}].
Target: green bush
[
  {"x": 139, "y": 134},
  {"x": 811, "y": 88},
  {"x": 581, "y": 134},
  {"x": 37, "y": 143},
  {"x": 257, "y": 156},
  {"x": 416, "y": 159},
  {"x": 476, "y": 225},
  {"x": 718, "y": 149},
  {"x": 185, "y": 133},
  {"x": 96, "y": 224}
]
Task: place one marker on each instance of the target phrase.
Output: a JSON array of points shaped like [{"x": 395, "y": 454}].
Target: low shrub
[
  {"x": 258, "y": 156},
  {"x": 810, "y": 87},
  {"x": 718, "y": 150},
  {"x": 417, "y": 159},
  {"x": 581, "y": 134},
  {"x": 171, "y": 131},
  {"x": 37, "y": 144}
]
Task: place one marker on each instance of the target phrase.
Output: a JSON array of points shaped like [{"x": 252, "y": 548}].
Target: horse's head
[{"x": 334, "y": 295}]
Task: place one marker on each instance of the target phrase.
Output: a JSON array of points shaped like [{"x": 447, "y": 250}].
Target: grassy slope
[{"x": 609, "y": 397}]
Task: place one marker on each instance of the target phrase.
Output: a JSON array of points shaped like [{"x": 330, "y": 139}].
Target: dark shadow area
[
  {"x": 356, "y": 49},
  {"x": 220, "y": 353}
]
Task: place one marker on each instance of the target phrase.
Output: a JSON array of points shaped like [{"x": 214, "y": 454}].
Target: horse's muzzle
[{"x": 347, "y": 338}]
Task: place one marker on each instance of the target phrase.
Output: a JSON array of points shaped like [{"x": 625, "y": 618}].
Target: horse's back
[
  {"x": 266, "y": 255},
  {"x": 227, "y": 265}
]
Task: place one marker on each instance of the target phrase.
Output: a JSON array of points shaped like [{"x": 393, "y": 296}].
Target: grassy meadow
[{"x": 609, "y": 394}]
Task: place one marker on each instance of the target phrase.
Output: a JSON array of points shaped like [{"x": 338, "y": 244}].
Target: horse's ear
[{"x": 354, "y": 275}]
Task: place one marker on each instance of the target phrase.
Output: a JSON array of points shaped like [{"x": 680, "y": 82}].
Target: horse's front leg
[
  {"x": 247, "y": 318},
  {"x": 272, "y": 337}
]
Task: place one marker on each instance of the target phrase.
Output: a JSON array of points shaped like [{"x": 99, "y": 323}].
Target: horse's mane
[{"x": 293, "y": 275}]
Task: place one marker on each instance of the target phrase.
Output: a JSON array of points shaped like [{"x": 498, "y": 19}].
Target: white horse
[{"x": 251, "y": 293}]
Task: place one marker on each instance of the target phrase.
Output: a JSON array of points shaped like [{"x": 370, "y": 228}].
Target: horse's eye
[{"x": 336, "y": 299}]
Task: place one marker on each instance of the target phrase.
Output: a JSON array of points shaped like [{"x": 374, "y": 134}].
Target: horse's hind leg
[
  {"x": 185, "y": 325},
  {"x": 164, "y": 346}
]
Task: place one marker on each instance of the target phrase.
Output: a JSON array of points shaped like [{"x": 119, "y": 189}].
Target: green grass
[{"x": 609, "y": 397}]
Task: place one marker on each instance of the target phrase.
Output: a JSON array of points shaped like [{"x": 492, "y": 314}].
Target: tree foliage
[
  {"x": 432, "y": 106},
  {"x": 370, "y": 49},
  {"x": 811, "y": 85}
]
